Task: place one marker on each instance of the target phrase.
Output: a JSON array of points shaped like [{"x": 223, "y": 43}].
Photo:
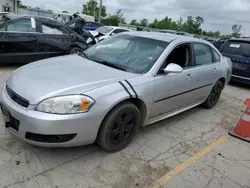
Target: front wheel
[
  {"x": 214, "y": 95},
  {"x": 119, "y": 127}
]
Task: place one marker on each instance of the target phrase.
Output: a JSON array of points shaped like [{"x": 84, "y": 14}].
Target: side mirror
[
  {"x": 173, "y": 68},
  {"x": 112, "y": 34}
]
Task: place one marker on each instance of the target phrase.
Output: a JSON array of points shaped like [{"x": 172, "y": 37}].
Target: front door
[{"x": 174, "y": 91}]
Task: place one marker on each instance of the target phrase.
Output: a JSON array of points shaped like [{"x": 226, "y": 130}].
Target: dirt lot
[{"x": 157, "y": 149}]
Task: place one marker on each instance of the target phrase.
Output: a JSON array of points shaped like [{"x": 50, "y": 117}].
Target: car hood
[{"x": 63, "y": 75}]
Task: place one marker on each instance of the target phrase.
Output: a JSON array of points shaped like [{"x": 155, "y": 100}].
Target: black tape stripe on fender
[
  {"x": 125, "y": 89},
  {"x": 136, "y": 96}
]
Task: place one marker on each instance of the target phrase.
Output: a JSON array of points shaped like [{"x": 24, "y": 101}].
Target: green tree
[
  {"x": 236, "y": 30},
  {"x": 114, "y": 19},
  {"x": 134, "y": 22},
  {"x": 20, "y": 5},
  {"x": 65, "y": 11},
  {"x": 144, "y": 22},
  {"x": 193, "y": 25},
  {"x": 91, "y": 8}
]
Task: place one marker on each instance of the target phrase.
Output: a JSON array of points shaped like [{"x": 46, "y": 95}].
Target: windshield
[
  {"x": 236, "y": 47},
  {"x": 104, "y": 30},
  {"x": 130, "y": 53}
]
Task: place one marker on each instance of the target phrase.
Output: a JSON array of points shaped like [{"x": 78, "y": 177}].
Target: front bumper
[
  {"x": 81, "y": 128},
  {"x": 240, "y": 79}
]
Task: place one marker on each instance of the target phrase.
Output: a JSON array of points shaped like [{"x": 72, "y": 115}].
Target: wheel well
[
  {"x": 223, "y": 80},
  {"x": 138, "y": 103},
  {"x": 141, "y": 106}
]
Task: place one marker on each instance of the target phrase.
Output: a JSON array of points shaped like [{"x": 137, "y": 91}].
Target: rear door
[
  {"x": 206, "y": 69},
  {"x": 54, "y": 40},
  {"x": 19, "y": 41},
  {"x": 238, "y": 51}
]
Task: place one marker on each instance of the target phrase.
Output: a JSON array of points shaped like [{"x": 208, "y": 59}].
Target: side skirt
[{"x": 170, "y": 114}]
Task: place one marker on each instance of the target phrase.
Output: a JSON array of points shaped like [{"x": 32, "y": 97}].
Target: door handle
[
  {"x": 215, "y": 70},
  {"x": 189, "y": 76}
]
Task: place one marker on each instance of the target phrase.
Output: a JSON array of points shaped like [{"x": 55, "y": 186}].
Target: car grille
[{"x": 17, "y": 98}]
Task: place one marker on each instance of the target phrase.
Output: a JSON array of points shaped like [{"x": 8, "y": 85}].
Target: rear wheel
[
  {"x": 119, "y": 127},
  {"x": 214, "y": 95},
  {"x": 75, "y": 50}
]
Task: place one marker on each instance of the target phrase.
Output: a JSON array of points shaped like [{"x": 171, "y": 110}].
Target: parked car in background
[
  {"x": 91, "y": 26},
  {"x": 238, "y": 50},
  {"x": 219, "y": 43},
  {"x": 27, "y": 39},
  {"x": 107, "y": 31},
  {"x": 114, "y": 87}
]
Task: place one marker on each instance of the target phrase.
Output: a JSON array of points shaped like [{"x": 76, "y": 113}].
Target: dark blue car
[
  {"x": 91, "y": 26},
  {"x": 238, "y": 50}
]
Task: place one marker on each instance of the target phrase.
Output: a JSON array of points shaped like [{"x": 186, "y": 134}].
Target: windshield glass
[
  {"x": 104, "y": 30},
  {"x": 131, "y": 53},
  {"x": 236, "y": 47}
]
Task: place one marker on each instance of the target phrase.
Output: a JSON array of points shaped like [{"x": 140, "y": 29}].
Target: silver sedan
[{"x": 105, "y": 94}]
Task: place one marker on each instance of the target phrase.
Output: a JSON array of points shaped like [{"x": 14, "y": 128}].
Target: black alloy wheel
[
  {"x": 214, "y": 95},
  {"x": 119, "y": 127}
]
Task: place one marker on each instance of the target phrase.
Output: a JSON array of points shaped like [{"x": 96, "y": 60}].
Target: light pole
[{"x": 100, "y": 11}]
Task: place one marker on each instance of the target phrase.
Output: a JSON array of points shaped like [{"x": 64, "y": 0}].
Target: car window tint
[
  {"x": 104, "y": 29},
  {"x": 87, "y": 24},
  {"x": 118, "y": 31},
  {"x": 3, "y": 28},
  {"x": 216, "y": 56},
  {"x": 20, "y": 26},
  {"x": 51, "y": 30},
  {"x": 95, "y": 25},
  {"x": 236, "y": 47},
  {"x": 202, "y": 54}
]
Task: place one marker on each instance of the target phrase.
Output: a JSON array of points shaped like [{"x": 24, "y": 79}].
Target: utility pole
[{"x": 100, "y": 11}]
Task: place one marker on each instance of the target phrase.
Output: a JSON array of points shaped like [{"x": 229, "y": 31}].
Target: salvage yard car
[
  {"x": 107, "y": 31},
  {"x": 238, "y": 50},
  {"x": 105, "y": 94},
  {"x": 27, "y": 39}
]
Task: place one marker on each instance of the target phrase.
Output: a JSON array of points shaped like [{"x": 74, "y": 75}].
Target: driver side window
[{"x": 180, "y": 55}]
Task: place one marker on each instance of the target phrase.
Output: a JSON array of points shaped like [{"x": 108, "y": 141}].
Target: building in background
[{"x": 8, "y": 6}]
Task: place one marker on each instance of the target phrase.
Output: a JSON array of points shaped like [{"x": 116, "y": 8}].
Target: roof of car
[
  {"x": 44, "y": 19},
  {"x": 162, "y": 36},
  {"x": 115, "y": 27},
  {"x": 240, "y": 39}
]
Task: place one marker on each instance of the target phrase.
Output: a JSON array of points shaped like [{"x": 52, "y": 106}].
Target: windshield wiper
[
  {"x": 111, "y": 65},
  {"x": 85, "y": 55}
]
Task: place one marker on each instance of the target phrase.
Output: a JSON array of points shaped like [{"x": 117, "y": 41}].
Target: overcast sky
[{"x": 218, "y": 14}]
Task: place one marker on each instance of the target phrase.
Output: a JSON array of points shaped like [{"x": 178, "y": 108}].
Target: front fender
[{"x": 109, "y": 96}]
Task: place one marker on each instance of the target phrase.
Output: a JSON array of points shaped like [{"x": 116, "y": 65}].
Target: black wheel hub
[
  {"x": 122, "y": 128},
  {"x": 215, "y": 94}
]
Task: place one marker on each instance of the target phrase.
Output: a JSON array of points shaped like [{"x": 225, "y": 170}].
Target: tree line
[{"x": 192, "y": 25}]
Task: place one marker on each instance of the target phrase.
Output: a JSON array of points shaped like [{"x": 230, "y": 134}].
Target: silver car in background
[{"x": 105, "y": 95}]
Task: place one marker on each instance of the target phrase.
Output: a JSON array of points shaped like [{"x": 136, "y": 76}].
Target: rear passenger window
[
  {"x": 216, "y": 56},
  {"x": 202, "y": 54},
  {"x": 51, "y": 30}
]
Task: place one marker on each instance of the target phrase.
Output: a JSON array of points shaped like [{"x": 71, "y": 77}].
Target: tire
[
  {"x": 119, "y": 127},
  {"x": 214, "y": 95},
  {"x": 75, "y": 50}
]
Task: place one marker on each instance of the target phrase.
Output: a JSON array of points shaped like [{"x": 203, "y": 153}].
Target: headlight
[{"x": 70, "y": 104}]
